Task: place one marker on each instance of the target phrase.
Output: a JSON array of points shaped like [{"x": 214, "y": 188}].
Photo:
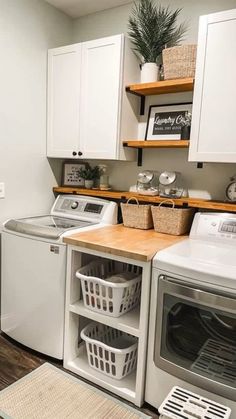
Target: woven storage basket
[
  {"x": 137, "y": 216},
  {"x": 174, "y": 221},
  {"x": 179, "y": 62}
]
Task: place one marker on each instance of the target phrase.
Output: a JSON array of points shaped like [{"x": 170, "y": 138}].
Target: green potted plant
[
  {"x": 152, "y": 28},
  {"x": 89, "y": 174}
]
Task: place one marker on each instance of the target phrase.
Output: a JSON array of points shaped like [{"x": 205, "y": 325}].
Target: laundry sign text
[{"x": 166, "y": 121}]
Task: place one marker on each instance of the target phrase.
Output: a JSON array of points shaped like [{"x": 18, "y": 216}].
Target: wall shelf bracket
[
  {"x": 142, "y": 100},
  {"x": 140, "y": 157},
  {"x": 142, "y": 105},
  {"x": 139, "y": 153}
]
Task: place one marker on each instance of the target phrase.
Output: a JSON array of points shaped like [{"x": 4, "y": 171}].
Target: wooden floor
[{"x": 16, "y": 361}]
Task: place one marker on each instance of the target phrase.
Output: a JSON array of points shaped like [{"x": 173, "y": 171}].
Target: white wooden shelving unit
[{"x": 77, "y": 316}]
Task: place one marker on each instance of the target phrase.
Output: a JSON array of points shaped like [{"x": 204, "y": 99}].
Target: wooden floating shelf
[
  {"x": 124, "y": 195},
  {"x": 89, "y": 192},
  {"x": 156, "y": 144},
  {"x": 161, "y": 87},
  {"x": 140, "y": 145}
]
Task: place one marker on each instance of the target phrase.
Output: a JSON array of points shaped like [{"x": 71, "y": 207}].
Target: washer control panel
[
  {"x": 85, "y": 208},
  {"x": 214, "y": 226},
  {"x": 79, "y": 206}
]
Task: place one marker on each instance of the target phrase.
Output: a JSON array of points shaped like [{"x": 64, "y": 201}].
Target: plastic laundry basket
[
  {"x": 109, "y": 350},
  {"x": 110, "y": 288}
]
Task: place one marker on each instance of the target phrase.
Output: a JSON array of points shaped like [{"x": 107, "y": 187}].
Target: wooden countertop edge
[{"x": 111, "y": 250}]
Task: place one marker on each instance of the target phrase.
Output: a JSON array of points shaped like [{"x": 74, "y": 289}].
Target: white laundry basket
[
  {"x": 109, "y": 350},
  {"x": 109, "y": 287},
  {"x": 181, "y": 403}
]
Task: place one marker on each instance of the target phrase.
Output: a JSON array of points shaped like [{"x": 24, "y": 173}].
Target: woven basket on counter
[
  {"x": 137, "y": 216},
  {"x": 173, "y": 220},
  {"x": 179, "y": 62}
]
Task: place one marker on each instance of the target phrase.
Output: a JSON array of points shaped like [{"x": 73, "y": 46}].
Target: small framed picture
[
  {"x": 165, "y": 121},
  {"x": 70, "y": 176}
]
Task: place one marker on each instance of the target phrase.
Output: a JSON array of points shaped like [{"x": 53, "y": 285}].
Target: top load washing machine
[
  {"x": 34, "y": 269},
  {"x": 192, "y": 329}
]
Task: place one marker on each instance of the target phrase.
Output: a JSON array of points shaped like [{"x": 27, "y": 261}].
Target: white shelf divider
[{"x": 128, "y": 323}]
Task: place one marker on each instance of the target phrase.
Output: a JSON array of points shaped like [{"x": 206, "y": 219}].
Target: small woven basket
[
  {"x": 173, "y": 220},
  {"x": 179, "y": 62},
  {"x": 136, "y": 216}
]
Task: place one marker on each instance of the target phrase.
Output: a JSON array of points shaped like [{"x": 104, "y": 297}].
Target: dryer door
[{"x": 195, "y": 336}]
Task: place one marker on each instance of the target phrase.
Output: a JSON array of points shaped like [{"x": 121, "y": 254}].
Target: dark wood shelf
[
  {"x": 161, "y": 87},
  {"x": 124, "y": 195},
  {"x": 142, "y": 144},
  {"x": 156, "y": 144}
]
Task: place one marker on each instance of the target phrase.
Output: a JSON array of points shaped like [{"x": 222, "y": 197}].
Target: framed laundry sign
[
  {"x": 70, "y": 175},
  {"x": 165, "y": 121}
]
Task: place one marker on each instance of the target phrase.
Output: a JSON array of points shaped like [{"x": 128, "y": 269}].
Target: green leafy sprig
[
  {"x": 89, "y": 172},
  {"x": 152, "y": 28}
]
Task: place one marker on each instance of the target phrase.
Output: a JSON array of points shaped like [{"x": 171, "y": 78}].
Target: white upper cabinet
[
  {"x": 64, "y": 69},
  {"x": 89, "y": 112},
  {"x": 101, "y": 83},
  {"x": 214, "y": 103}
]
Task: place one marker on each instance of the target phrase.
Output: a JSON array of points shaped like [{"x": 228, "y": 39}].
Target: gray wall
[
  {"x": 213, "y": 177},
  {"x": 27, "y": 29},
  {"x": 114, "y": 21}
]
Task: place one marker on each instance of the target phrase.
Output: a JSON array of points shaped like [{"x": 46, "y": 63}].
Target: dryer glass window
[{"x": 199, "y": 338}]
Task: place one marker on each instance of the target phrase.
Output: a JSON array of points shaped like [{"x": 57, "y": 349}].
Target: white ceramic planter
[
  {"x": 88, "y": 184},
  {"x": 150, "y": 73}
]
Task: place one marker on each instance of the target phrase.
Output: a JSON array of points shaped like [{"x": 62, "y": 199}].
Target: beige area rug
[{"x": 50, "y": 393}]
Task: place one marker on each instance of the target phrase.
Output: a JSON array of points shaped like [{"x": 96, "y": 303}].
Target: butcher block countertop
[{"x": 122, "y": 241}]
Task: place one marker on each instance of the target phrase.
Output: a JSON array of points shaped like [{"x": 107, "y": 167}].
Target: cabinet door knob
[
  {"x": 74, "y": 153},
  {"x": 80, "y": 153}
]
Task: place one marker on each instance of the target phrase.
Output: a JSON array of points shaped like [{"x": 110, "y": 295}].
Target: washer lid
[
  {"x": 45, "y": 226},
  {"x": 205, "y": 261}
]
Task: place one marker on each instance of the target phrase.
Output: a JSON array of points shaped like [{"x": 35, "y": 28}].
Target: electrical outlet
[{"x": 2, "y": 190}]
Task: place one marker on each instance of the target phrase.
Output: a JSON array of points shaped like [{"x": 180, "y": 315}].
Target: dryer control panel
[{"x": 214, "y": 226}]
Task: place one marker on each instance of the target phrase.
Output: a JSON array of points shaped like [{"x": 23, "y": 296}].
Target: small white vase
[
  {"x": 88, "y": 184},
  {"x": 150, "y": 72}
]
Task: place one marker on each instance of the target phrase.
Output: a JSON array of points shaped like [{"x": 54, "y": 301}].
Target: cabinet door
[
  {"x": 64, "y": 68},
  {"x": 100, "y": 97},
  {"x": 214, "y": 105}
]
